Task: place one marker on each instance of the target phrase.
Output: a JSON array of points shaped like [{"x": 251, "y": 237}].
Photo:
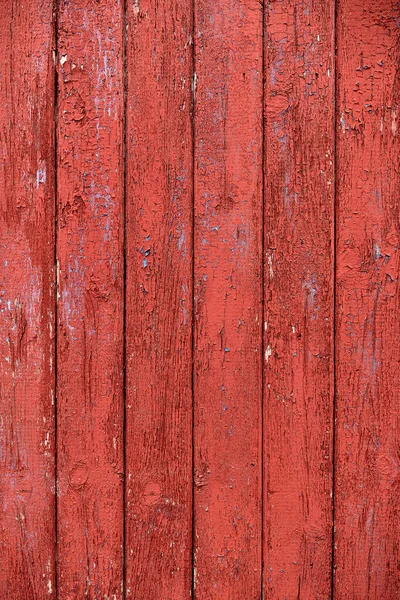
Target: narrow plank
[
  {"x": 368, "y": 333},
  {"x": 228, "y": 295},
  {"x": 27, "y": 302},
  {"x": 159, "y": 300},
  {"x": 299, "y": 245},
  {"x": 90, "y": 303}
]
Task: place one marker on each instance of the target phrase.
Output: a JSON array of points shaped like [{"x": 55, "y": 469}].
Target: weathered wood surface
[
  {"x": 299, "y": 301},
  {"x": 27, "y": 301},
  {"x": 90, "y": 234},
  {"x": 367, "y": 490},
  {"x": 228, "y": 299},
  {"x": 159, "y": 300},
  {"x": 212, "y": 190}
]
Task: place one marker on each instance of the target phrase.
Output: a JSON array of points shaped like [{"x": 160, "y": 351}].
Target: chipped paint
[
  {"x": 299, "y": 202},
  {"x": 27, "y": 303},
  {"x": 90, "y": 299}
]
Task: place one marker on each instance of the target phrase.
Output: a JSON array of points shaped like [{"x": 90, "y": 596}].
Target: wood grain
[
  {"x": 27, "y": 302},
  {"x": 238, "y": 246},
  {"x": 90, "y": 299},
  {"x": 228, "y": 294},
  {"x": 299, "y": 244},
  {"x": 367, "y": 462},
  {"x": 159, "y": 300}
]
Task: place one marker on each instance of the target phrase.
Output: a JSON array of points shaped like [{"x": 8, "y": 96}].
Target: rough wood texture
[
  {"x": 232, "y": 290},
  {"x": 367, "y": 489},
  {"x": 159, "y": 300},
  {"x": 27, "y": 509},
  {"x": 90, "y": 303},
  {"x": 299, "y": 243},
  {"x": 228, "y": 293}
]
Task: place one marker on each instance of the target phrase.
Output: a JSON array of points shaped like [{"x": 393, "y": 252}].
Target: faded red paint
[
  {"x": 27, "y": 303},
  {"x": 367, "y": 491},
  {"x": 228, "y": 299},
  {"x": 217, "y": 204},
  {"x": 159, "y": 300},
  {"x": 90, "y": 299},
  {"x": 298, "y": 329}
]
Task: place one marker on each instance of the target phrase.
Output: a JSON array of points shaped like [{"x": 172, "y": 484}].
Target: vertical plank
[
  {"x": 228, "y": 294},
  {"x": 368, "y": 334},
  {"x": 299, "y": 244},
  {"x": 90, "y": 304},
  {"x": 159, "y": 300},
  {"x": 27, "y": 303}
]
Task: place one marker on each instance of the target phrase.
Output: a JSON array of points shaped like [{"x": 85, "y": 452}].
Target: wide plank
[
  {"x": 228, "y": 299},
  {"x": 90, "y": 235},
  {"x": 159, "y": 300},
  {"x": 367, "y": 465},
  {"x": 299, "y": 138},
  {"x": 27, "y": 301}
]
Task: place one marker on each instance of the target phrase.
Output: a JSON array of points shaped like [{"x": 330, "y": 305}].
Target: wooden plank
[
  {"x": 159, "y": 300},
  {"x": 27, "y": 303},
  {"x": 228, "y": 299},
  {"x": 299, "y": 244},
  {"x": 368, "y": 333},
  {"x": 90, "y": 305}
]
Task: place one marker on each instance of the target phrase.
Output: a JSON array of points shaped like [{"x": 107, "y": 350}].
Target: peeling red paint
[
  {"x": 368, "y": 438},
  {"x": 210, "y": 196},
  {"x": 90, "y": 304},
  {"x": 159, "y": 300},
  {"x": 27, "y": 303},
  {"x": 228, "y": 299},
  {"x": 298, "y": 330}
]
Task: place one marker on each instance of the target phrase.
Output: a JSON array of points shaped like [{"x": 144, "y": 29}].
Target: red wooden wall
[{"x": 199, "y": 302}]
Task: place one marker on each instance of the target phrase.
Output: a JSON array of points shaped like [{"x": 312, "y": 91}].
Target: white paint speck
[
  {"x": 63, "y": 59},
  {"x": 40, "y": 176},
  {"x": 49, "y": 587},
  {"x": 394, "y": 124},
  {"x": 58, "y": 280},
  {"x": 268, "y": 353},
  {"x": 194, "y": 84},
  {"x": 343, "y": 123},
  {"x": 136, "y": 7},
  {"x": 270, "y": 259}
]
